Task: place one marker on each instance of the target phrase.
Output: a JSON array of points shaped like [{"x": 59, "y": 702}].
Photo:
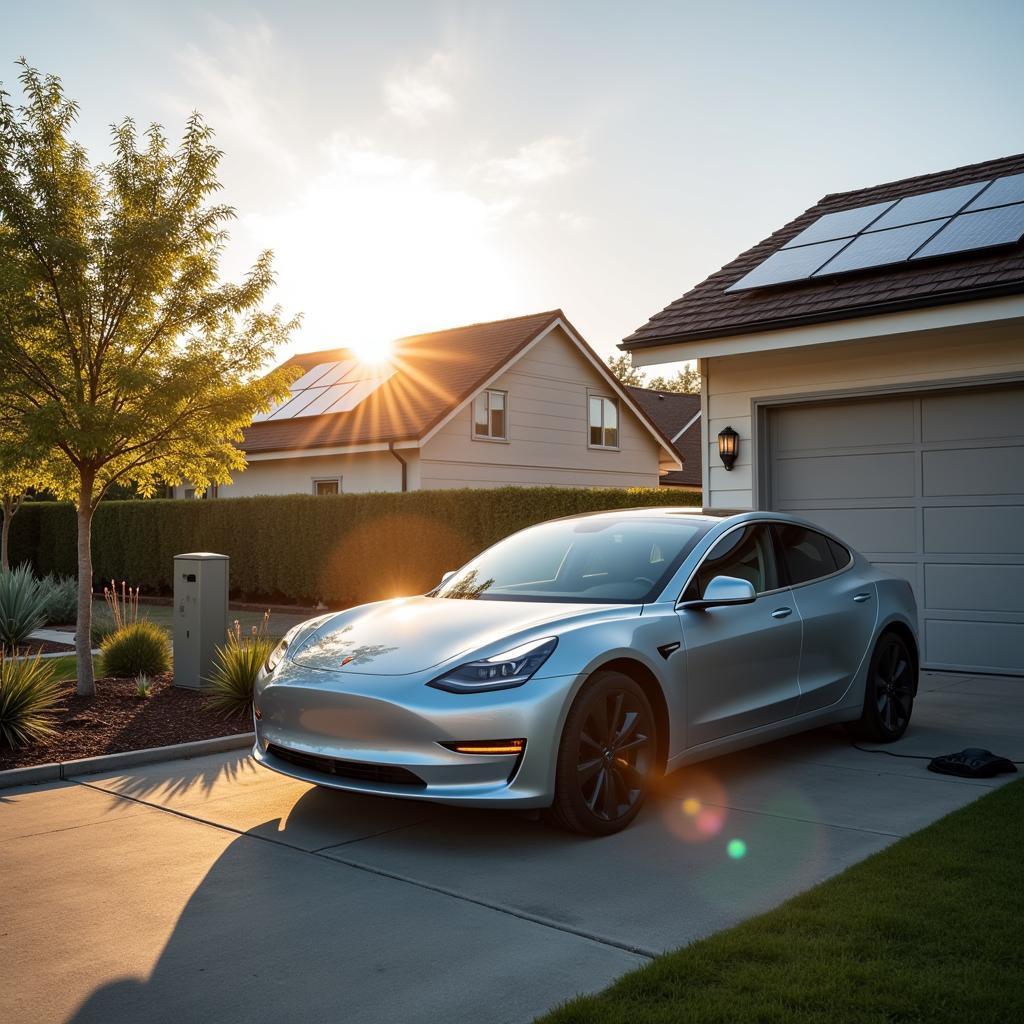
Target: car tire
[
  {"x": 607, "y": 756},
  {"x": 888, "y": 692}
]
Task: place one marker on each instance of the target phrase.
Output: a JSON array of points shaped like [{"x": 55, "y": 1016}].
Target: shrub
[
  {"x": 61, "y": 599},
  {"x": 29, "y": 694},
  {"x": 139, "y": 648},
  {"x": 142, "y": 687},
  {"x": 22, "y": 606},
  {"x": 102, "y": 627},
  {"x": 238, "y": 664},
  {"x": 344, "y": 549}
]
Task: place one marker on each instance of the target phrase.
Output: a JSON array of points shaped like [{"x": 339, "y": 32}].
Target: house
[
  {"x": 677, "y": 415},
  {"x": 867, "y": 361},
  {"x": 523, "y": 402}
]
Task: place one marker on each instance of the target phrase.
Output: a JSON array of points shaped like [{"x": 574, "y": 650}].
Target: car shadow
[{"x": 276, "y": 931}]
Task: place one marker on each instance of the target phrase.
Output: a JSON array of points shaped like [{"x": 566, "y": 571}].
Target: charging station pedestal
[{"x": 200, "y": 615}]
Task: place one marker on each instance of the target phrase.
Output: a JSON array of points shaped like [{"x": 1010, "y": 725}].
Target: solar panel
[
  {"x": 1001, "y": 192},
  {"x": 951, "y": 220},
  {"x": 979, "y": 230},
  {"x": 309, "y": 378},
  {"x": 337, "y": 386},
  {"x": 844, "y": 224},
  {"x": 788, "y": 265},
  {"x": 879, "y": 248},
  {"x": 929, "y": 206},
  {"x": 337, "y": 372}
]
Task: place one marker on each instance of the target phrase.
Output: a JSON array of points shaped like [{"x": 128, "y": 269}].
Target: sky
[{"x": 420, "y": 165}]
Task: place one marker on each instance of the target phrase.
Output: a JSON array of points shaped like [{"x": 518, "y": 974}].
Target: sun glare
[{"x": 372, "y": 350}]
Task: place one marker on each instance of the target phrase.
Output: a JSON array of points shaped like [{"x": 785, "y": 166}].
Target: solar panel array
[
  {"x": 337, "y": 386},
  {"x": 951, "y": 220}
]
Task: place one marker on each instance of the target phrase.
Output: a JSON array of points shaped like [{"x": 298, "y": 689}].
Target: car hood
[{"x": 410, "y": 635}]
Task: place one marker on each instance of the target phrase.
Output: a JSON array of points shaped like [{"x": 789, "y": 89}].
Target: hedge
[{"x": 341, "y": 549}]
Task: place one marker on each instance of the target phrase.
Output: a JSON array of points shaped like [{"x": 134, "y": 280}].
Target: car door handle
[
  {"x": 861, "y": 598},
  {"x": 781, "y": 613}
]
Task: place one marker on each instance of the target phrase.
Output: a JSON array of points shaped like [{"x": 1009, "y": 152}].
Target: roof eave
[{"x": 633, "y": 342}]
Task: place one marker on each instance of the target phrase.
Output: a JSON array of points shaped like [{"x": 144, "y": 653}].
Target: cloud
[
  {"x": 418, "y": 94},
  {"x": 233, "y": 88},
  {"x": 536, "y": 162}
]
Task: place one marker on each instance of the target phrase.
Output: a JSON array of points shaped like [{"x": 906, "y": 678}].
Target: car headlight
[
  {"x": 502, "y": 672},
  {"x": 278, "y": 653}
]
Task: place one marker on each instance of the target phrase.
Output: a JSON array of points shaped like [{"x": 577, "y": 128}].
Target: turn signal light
[{"x": 488, "y": 747}]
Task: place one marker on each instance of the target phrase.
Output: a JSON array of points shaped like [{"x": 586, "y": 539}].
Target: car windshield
[{"x": 606, "y": 561}]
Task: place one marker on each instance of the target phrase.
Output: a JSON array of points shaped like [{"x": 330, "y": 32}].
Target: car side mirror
[
  {"x": 724, "y": 590},
  {"x": 445, "y": 577}
]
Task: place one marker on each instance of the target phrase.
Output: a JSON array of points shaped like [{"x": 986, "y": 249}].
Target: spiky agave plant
[
  {"x": 23, "y": 603},
  {"x": 234, "y": 674},
  {"x": 29, "y": 695}
]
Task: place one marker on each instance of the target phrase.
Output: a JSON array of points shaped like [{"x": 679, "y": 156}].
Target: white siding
[
  {"x": 547, "y": 427},
  {"x": 367, "y": 471},
  {"x": 733, "y": 382}
]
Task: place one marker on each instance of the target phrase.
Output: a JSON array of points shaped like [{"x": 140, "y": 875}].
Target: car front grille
[{"x": 359, "y": 771}]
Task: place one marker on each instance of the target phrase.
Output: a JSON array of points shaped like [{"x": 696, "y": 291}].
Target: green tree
[
  {"x": 686, "y": 381},
  {"x": 121, "y": 352},
  {"x": 17, "y": 477},
  {"x": 622, "y": 367}
]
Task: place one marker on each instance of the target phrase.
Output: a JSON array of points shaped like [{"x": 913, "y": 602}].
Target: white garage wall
[{"x": 733, "y": 382}]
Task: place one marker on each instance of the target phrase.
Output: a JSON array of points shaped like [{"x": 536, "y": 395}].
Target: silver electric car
[{"x": 569, "y": 664}]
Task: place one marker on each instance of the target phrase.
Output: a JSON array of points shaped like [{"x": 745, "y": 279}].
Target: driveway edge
[{"x": 125, "y": 759}]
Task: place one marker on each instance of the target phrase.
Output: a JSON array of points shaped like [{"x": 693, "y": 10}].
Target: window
[
  {"x": 489, "y": 419},
  {"x": 808, "y": 555},
  {"x": 594, "y": 560},
  {"x": 190, "y": 493},
  {"x": 327, "y": 485},
  {"x": 745, "y": 554},
  {"x": 604, "y": 422}
]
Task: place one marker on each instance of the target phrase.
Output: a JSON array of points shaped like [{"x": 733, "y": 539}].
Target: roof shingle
[
  {"x": 671, "y": 411},
  {"x": 709, "y": 311},
  {"x": 433, "y": 374}
]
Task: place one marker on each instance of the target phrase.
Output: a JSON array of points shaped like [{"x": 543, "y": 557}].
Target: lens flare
[
  {"x": 737, "y": 849},
  {"x": 700, "y": 809},
  {"x": 710, "y": 821}
]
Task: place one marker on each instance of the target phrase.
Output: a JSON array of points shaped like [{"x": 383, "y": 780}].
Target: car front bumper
[{"x": 380, "y": 735}]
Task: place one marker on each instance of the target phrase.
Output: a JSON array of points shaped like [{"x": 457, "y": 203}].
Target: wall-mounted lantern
[{"x": 728, "y": 446}]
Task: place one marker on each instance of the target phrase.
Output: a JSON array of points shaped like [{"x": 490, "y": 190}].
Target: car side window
[
  {"x": 746, "y": 554},
  {"x": 840, "y": 554},
  {"x": 808, "y": 555}
]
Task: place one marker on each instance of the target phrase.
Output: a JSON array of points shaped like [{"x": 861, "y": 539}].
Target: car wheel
[
  {"x": 889, "y": 693},
  {"x": 606, "y": 759}
]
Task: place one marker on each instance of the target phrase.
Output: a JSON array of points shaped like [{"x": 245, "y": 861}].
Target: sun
[{"x": 372, "y": 350}]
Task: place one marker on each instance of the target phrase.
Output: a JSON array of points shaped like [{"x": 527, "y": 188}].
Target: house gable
[{"x": 547, "y": 390}]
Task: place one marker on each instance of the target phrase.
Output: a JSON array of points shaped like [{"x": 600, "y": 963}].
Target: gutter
[
  {"x": 633, "y": 343},
  {"x": 404, "y": 464}
]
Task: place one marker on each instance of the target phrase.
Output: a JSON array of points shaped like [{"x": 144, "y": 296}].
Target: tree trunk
[
  {"x": 5, "y": 535},
  {"x": 83, "y": 628}
]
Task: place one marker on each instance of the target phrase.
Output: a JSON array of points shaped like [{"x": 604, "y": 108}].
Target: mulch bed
[
  {"x": 46, "y": 647},
  {"x": 116, "y": 720}
]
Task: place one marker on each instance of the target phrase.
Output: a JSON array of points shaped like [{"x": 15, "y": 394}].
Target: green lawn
[
  {"x": 927, "y": 930},
  {"x": 66, "y": 666}
]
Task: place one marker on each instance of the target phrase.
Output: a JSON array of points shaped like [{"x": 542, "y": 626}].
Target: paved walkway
[{"x": 213, "y": 890}]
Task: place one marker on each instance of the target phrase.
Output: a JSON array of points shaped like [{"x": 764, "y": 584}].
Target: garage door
[{"x": 929, "y": 487}]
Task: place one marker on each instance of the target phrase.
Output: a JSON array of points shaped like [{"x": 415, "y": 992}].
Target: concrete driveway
[{"x": 213, "y": 890}]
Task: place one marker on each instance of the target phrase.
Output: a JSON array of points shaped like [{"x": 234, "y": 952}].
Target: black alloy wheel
[
  {"x": 889, "y": 694},
  {"x": 607, "y": 756}
]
